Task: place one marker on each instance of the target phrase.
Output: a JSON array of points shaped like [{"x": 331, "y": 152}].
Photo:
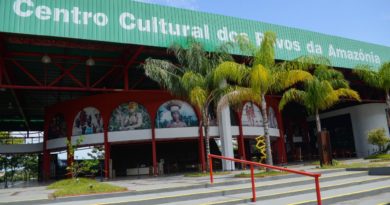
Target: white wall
[
  {"x": 363, "y": 118},
  {"x": 21, "y": 148}
]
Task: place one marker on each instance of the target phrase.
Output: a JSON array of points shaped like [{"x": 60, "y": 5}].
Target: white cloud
[{"x": 187, "y": 4}]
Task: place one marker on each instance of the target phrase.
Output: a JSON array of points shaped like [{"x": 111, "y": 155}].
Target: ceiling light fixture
[
  {"x": 90, "y": 62},
  {"x": 46, "y": 59}
]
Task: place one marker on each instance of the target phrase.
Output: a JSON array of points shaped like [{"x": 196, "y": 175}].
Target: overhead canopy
[{"x": 130, "y": 22}]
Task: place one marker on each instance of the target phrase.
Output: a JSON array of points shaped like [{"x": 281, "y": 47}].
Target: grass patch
[
  {"x": 315, "y": 163},
  {"x": 82, "y": 186},
  {"x": 354, "y": 165},
  {"x": 380, "y": 160},
  {"x": 261, "y": 174},
  {"x": 379, "y": 156},
  {"x": 204, "y": 174}
]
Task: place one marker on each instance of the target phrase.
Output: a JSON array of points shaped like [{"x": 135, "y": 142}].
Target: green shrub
[{"x": 378, "y": 137}]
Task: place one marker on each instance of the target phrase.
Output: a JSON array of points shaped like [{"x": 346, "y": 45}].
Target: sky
[{"x": 363, "y": 20}]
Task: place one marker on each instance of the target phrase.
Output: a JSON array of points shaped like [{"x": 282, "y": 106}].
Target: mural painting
[
  {"x": 174, "y": 114},
  {"x": 129, "y": 116}
]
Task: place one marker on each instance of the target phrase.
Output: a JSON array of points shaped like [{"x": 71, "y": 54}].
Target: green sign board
[{"x": 126, "y": 21}]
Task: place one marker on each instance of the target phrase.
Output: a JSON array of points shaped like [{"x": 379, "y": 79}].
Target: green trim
[{"x": 102, "y": 23}]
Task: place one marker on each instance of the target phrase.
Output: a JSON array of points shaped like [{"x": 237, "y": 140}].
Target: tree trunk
[
  {"x": 206, "y": 137},
  {"x": 5, "y": 172},
  {"x": 388, "y": 100},
  {"x": 266, "y": 130},
  {"x": 318, "y": 121}
]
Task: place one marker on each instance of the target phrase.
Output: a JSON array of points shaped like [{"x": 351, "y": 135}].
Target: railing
[{"x": 253, "y": 164}]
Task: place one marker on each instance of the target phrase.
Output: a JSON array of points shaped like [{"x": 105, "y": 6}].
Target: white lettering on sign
[
  {"x": 26, "y": 8},
  {"x": 161, "y": 26},
  {"x": 18, "y": 8}
]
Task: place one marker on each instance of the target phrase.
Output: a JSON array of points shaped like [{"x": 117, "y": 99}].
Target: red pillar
[
  {"x": 240, "y": 140},
  {"x": 69, "y": 132},
  {"x": 154, "y": 152},
  {"x": 46, "y": 153},
  {"x": 202, "y": 158},
  {"x": 107, "y": 152},
  {"x": 46, "y": 165}
]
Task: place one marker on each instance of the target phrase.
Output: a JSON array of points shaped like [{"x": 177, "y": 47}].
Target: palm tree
[
  {"x": 379, "y": 79},
  {"x": 261, "y": 75},
  {"x": 326, "y": 88},
  {"x": 192, "y": 78}
]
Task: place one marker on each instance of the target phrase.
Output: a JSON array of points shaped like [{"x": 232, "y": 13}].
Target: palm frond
[
  {"x": 229, "y": 70},
  {"x": 384, "y": 72},
  {"x": 162, "y": 72},
  {"x": 190, "y": 80},
  {"x": 292, "y": 95},
  {"x": 180, "y": 53},
  {"x": 235, "y": 95},
  {"x": 246, "y": 47},
  {"x": 266, "y": 54},
  {"x": 260, "y": 78},
  {"x": 368, "y": 75},
  {"x": 336, "y": 95},
  {"x": 198, "y": 97},
  {"x": 285, "y": 79}
]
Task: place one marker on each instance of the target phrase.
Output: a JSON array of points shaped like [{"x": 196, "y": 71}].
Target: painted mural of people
[
  {"x": 273, "y": 123},
  {"x": 88, "y": 121},
  {"x": 129, "y": 116},
  {"x": 176, "y": 116},
  {"x": 251, "y": 115}
]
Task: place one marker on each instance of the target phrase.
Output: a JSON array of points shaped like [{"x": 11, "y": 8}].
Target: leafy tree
[
  {"x": 326, "y": 88},
  {"x": 192, "y": 78},
  {"x": 378, "y": 137},
  {"x": 10, "y": 163},
  {"x": 379, "y": 79},
  {"x": 261, "y": 75},
  {"x": 30, "y": 166},
  {"x": 89, "y": 166}
]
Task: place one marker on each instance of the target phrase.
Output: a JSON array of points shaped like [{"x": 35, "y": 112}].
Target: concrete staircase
[{"x": 336, "y": 186}]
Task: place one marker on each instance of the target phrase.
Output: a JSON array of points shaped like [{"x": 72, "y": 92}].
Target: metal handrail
[{"x": 253, "y": 164}]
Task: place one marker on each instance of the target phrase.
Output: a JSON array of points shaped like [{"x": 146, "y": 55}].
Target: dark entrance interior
[
  {"x": 341, "y": 135},
  {"x": 178, "y": 156},
  {"x": 131, "y": 156}
]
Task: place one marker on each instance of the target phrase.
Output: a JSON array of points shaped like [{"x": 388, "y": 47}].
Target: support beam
[
  {"x": 138, "y": 82},
  {"x": 38, "y": 55},
  {"x": 107, "y": 153},
  {"x": 77, "y": 81},
  {"x": 88, "y": 76},
  {"x": 2, "y": 64},
  {"x": 154, "y": 151},
  {"x": 29, "y": 87},
  {"x": 63, "y": 75},
  {"x": 30, "y": 75},
  {"x": 112, "y": 69},
  {"x": 129, "y": 63},
  {"x": 16, "y": 99},
  {"x": 226, "y": 137}
]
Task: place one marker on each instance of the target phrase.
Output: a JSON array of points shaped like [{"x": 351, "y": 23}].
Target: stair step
[
  {"x": 216, "y": 192},
  {"x": 286, "y": 192}
]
